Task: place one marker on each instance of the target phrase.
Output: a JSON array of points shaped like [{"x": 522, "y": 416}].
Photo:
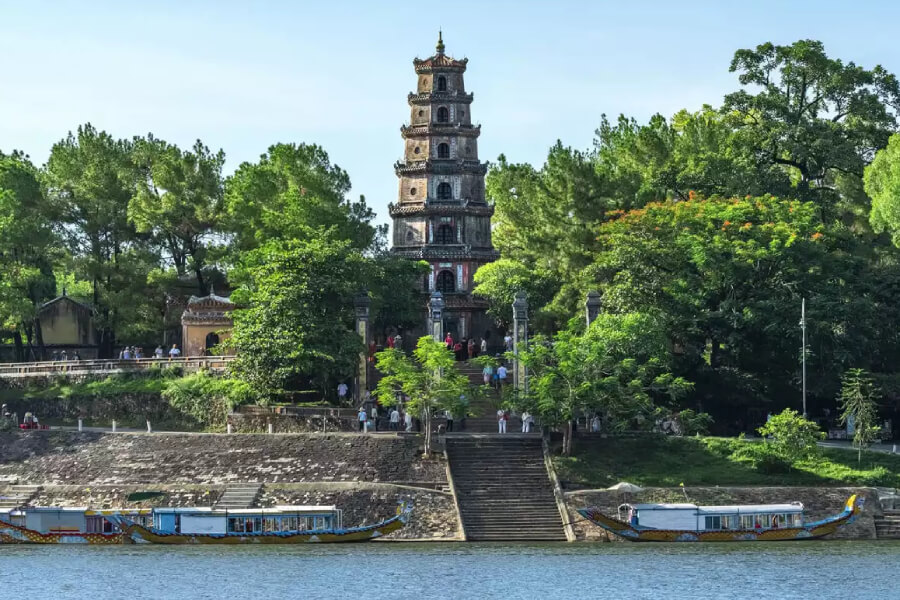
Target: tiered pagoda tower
[{"x": 441, "y": 215}]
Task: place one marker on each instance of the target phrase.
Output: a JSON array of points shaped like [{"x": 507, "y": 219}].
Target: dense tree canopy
[{"x": 720, "y": 221}]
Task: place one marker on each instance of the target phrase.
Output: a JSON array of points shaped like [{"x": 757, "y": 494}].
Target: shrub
[
  {"x": 207, "y": 399},
  {"x": 693, "y": 423},
  {"x": 762, "y": 457},
  {"x": 793, "y": 437}
]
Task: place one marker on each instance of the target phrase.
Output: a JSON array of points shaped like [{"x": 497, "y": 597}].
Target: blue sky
[{"x": 244, "y": 75}]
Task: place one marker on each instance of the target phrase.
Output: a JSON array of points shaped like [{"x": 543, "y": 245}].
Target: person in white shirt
[
  {"x": 526, "y": 422},
  {"x": 483, "y": 346},
  {"x": 158, "y": 352},
  {"x": 407, "y": 420},
  {"x": 501, "y": 420},
  {"x": 395, "y": 419},
  {"x": 174, "y": 352},
  {"x": 508, "y": 342},
  {"x": 342, "y": 390}
]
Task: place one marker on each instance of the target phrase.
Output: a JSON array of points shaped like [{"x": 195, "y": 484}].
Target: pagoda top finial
[{"x": 440, "y": 44}]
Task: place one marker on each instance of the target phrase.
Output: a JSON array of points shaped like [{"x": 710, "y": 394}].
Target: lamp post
[
  {"x": 436, "y": 316},
  {"x": 362, "y": 303},
  {"x": 520, "y": 341},
  {"x": 803, "y": 350}
]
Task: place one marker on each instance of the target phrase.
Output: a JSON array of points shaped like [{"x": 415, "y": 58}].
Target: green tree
[
  {"x": 545, "y": 222},
  {"x": 28, "y": 252},
  {"x": 178, "y": 199},
  {"x": 817, "y": 117},
  {"x": 617, "y": 368},
  {"x": 296, "y": 324},
  {"x": 882, "y": 184},
  {"x": 859, "y": 405},
  {"x": 793, "y": 438},
  {"x": 294, "y": 191},
  {"x": 728, "y": 275},
  {"x": 691, "y": 153},
  {"x": 91, "y": 177},
  {"x": 428, "y": 378}
]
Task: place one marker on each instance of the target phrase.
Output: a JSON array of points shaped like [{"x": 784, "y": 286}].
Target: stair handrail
[
  {"x": 558, "y": 493},
  {"x": 459, "y": 519}
]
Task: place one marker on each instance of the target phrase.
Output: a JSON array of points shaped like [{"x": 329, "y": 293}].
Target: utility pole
[{"x": 803, "y": 350}]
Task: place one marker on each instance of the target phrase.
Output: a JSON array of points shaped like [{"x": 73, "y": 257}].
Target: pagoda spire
[{"x": 440, "y": 43}]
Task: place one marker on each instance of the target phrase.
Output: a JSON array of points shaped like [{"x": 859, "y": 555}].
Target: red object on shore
[{"x": 27, "y": 426}]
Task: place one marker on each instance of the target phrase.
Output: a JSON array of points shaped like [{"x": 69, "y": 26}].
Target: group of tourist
[
  {"x": 368, "y": 417},
  {"x": 135, "y": 352},
  {"x": 465, "y": 349},
  {"x": 65, "y": 356}
]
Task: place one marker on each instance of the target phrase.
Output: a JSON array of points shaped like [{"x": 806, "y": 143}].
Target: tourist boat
[
  {"x": 65, "y": 525},
  {"x": 692, "y": 523},
  {"x": 279, "y": 525}
]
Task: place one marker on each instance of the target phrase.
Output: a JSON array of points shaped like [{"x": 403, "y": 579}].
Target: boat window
[
  {"x": 729, "y": 522},
  {"x": 713, "y": 523},
  {"x": 748, "y": 521},
  {"x": 271, "y": 525}
]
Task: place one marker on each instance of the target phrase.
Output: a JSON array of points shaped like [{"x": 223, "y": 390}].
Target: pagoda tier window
[
  {"x": 443, "y": 115},
  {"x": 445, "y": 283},
  {"x": 444, "y": 192},
  {"x": 444, "y": 235},
  {"x": 442, "y": 84},
  {"x": 443, "y": 150}
]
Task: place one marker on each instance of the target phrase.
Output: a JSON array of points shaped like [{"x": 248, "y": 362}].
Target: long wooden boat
[
  {"x": 692, "y": 523},
  {"x": 69, "y": 525},
  {"x": 199, "y": 525},
  {"x": 255, "y": 526}
]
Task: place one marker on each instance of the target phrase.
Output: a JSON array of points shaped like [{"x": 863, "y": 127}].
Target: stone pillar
[
  {"x": 520, "y": 341},
  {"x": 362, "y": 304},
  {"x": 592, "y": 306},
  {"x": 436, "y": 316}
]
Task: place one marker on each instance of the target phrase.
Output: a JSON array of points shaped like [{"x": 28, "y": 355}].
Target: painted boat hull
[
  {"x": 808, "y": 531},
  {"x": 143, "y": 535},
  {"x": 14, "y": 534}
]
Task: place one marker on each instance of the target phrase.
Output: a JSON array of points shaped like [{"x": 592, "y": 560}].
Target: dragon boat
[
  {"x": 737, "y": 523},
  {"x": 198, "y": 525}
]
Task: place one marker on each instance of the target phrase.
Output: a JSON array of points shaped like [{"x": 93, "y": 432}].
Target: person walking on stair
[{"x": 502, "y": 417}]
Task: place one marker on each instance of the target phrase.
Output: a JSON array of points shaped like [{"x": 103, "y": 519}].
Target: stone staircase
[
  {"x": 239, "y": 496},
  {"x": 887, "y": 527},
  {"x": 485, "y": 409},
  {"x": 19, "y": 495},
  {"x": 503, "y": 488}
]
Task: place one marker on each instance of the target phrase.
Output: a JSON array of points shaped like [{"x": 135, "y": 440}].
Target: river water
[{"x": 820, "y": 570}]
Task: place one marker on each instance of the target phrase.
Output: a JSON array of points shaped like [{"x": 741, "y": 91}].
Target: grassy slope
[{"x": 668, "y": 461}]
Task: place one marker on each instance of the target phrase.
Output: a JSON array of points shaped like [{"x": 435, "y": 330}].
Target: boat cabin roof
[
  {"x": 275, "y": 510},
  {"x": 793, "y": 507}
]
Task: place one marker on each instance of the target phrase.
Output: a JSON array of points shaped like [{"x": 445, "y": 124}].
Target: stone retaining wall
[
  {"x": 433, "y": 517},
  {"x": 818, "y": 503},
  {"x": 63, "y": 457}
]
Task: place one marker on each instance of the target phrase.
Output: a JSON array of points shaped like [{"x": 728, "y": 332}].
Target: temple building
[
  {"x": 206, "y": 322},
  {"x": 441, "y": 215}
]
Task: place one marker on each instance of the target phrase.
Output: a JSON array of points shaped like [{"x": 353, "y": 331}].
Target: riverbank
[
  {"x": 662, "y": 461},
  {"x": 366, "y": 476}
]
